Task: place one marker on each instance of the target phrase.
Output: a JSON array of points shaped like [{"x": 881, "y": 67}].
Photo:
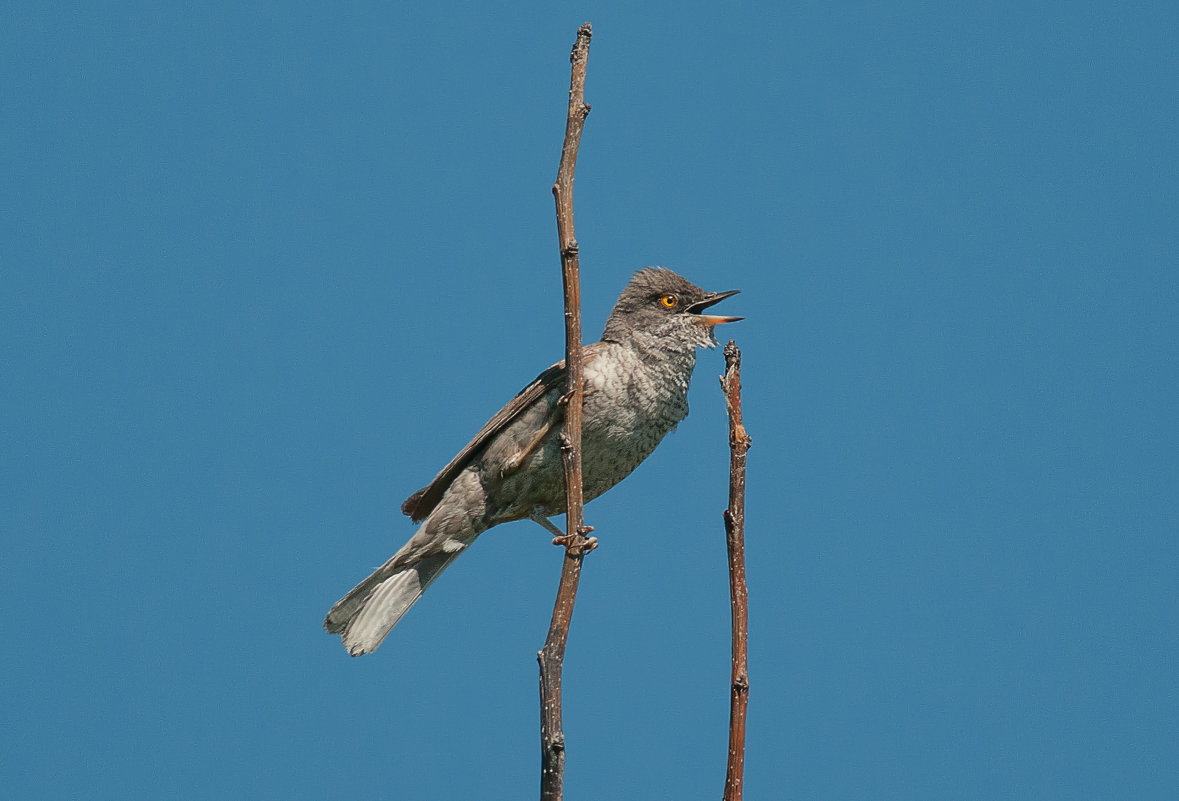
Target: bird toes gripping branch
[
  {"x": 560, "y": 537},
  {"x": 570, "y": 541}
]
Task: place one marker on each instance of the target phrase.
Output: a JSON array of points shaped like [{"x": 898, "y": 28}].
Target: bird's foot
[{"x": 577, "y": 544}]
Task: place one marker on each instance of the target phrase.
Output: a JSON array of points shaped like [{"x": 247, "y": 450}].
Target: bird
[{"x": 636, "y": 381}]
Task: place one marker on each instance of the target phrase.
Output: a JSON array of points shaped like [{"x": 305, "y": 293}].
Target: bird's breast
[{"x": 631, "y": 404}]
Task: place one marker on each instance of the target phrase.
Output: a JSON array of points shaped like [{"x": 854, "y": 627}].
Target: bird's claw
[{"x": 577, "y": 544}]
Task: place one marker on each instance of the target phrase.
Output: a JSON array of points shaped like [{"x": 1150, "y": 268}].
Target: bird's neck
[{"x": 659, "y": 356}]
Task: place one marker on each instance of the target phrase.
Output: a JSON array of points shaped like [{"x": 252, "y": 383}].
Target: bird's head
[{"x": 664, "y": 309}]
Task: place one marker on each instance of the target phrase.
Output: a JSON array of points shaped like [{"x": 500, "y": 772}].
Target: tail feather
[{"x": 366, "y": 615}]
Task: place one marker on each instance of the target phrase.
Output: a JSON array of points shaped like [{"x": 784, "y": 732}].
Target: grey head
[{"x": 660, "y": 309}]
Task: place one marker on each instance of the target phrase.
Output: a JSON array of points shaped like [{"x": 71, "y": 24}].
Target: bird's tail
[{"x": 366, "y": 615}]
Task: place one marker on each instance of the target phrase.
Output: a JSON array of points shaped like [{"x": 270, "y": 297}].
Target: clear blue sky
[{"x": 267, "y": 266}]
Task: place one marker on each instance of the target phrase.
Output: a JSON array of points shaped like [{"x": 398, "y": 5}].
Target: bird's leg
[
  {"x": 560, "y": 537},
  {"x": 537, "y": 516}
]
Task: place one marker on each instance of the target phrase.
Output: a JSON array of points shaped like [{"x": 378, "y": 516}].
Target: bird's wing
[{"x": 422, "y": 502}]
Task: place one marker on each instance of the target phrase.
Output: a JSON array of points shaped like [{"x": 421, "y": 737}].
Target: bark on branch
[
  {"x": 552, "y": 656},
  {"x": 739, "y": 443}
]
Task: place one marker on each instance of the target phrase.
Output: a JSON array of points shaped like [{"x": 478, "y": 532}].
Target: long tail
[{"x": 366, "y": 615}]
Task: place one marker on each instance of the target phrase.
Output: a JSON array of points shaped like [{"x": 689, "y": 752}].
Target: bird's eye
[{"x": 669, "y": 301}]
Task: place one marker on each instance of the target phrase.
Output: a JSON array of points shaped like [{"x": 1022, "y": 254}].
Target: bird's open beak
[{"x": 713, "y": 299}]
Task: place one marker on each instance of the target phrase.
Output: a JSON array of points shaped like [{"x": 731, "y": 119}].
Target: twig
[
  {"x": 552, "y": 656},
  {"x": 739, "y": 443}
]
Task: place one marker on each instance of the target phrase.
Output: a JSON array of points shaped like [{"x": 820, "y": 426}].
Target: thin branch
[
  {"x": 552, "y": 656},
  {"x": 739, "y": 443}
]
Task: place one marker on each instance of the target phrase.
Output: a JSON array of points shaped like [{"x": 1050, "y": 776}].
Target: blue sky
[{"x": 267, "y": 266}]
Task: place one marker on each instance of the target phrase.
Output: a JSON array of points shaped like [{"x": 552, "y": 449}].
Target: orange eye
[{"x": 669, "y": 301}]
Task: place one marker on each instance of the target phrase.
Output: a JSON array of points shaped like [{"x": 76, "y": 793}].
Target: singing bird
[{"x": 636, "y": 386}]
